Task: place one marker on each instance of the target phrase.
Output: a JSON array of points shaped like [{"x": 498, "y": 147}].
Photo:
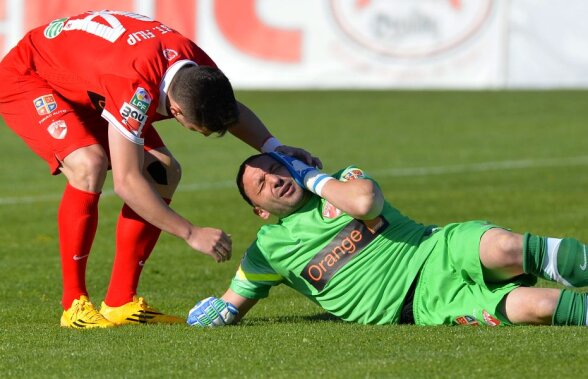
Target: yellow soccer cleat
[
  {"x": 83, "y": 315},
  {"x": 137, "y": 312}
]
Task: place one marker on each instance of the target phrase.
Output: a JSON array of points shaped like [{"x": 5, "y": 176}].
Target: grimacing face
[{"x": 271, "y": 188}]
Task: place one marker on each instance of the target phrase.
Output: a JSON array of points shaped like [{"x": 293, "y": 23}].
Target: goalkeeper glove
[
  {"x": 306, "y": 176},
  {"x": 212, "y": 312}
]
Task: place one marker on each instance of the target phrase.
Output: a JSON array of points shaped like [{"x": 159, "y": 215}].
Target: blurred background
[{"x": 367, "y": 44}]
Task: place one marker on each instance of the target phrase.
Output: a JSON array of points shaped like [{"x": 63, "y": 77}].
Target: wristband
[
  {"x": 315, "y": 181},
  {"x": 270, "y": 144}
]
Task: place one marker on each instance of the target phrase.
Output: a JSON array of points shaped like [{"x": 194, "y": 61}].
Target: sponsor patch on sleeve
[
  {"x": 141, "y": 100},
  {"x": 352, "y": 173},
  {"x": 133, "y": 119}
]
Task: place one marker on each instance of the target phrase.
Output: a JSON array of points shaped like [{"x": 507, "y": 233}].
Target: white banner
[
  {"x": 270, "y": 44},
  {"x": 548, "y": 44},
  {"x": 371, "y": 43}
]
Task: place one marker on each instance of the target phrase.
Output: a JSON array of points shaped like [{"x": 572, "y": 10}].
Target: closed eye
[{"x": 260, "y": 185}]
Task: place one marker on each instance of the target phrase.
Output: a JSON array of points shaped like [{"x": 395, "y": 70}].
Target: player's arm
[
  {"x": 243, "y": 304},
  {"x": 359, "y": 198},
  {"x": 134, "y": 189},
  {"x": 212, "y": 311},
  {"x": 251, "y": 130}
]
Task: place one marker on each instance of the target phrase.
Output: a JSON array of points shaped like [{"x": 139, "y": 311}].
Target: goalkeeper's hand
[
  {"x": 306, "y": 176},
  {"x": 212, "y": 312}
]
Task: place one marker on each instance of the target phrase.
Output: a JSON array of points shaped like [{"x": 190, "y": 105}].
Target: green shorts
[{"x": 451, "y": 289}]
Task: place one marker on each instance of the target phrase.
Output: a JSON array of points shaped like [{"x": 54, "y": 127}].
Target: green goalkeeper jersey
[{"x": 356, "y": 270}]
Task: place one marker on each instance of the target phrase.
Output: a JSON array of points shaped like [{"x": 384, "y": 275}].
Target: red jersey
[{"x": 117, "y": 63}]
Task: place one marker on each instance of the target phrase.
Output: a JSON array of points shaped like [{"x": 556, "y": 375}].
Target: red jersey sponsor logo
[
  {"x": 57, "y": 129},
  {"x": 45, "y": 104},
  {"x": 489, "y": 319},
  {"x": 133, "y": 119}
]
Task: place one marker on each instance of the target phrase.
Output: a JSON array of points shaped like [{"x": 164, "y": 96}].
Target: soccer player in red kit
[{"x": 83, "y": 93}]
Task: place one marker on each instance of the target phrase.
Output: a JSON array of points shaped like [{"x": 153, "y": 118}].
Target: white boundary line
[
  {"x": 382, "y": 173},
  {"x": 481, "y": 167}
]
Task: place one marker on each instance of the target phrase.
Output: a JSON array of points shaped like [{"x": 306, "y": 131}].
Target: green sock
[
  {"x": 559, "y": 260},
  {"x": 570, "y": 309}
]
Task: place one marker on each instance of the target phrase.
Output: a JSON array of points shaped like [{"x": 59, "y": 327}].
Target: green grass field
[{"x": 519, "y": 159}]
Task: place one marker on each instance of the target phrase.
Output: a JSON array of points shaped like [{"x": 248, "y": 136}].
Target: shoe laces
[
  {"x": 144, "y": 306},
  {"x": 85, "y": 310},
  {"x": 142, "y": 303}
]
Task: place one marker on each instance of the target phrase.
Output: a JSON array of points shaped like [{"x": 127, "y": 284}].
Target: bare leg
[
  {"x": 85, "y": 168},
  {"x": 501, "y": 254},
  {"x": 534, "y": 306}
]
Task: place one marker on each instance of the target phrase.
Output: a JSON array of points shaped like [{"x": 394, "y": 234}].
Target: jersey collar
[{"x": 165, "y": 82}]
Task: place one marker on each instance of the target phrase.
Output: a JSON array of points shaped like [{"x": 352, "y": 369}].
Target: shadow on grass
[{"x": 319, "y": 317}]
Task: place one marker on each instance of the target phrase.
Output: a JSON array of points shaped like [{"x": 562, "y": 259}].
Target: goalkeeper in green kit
[{"x": 339, "y": 243}]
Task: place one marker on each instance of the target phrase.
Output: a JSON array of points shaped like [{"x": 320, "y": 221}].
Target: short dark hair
[
  {"x": 240, "y": 173},
  {"x": 206, "y": 97}
]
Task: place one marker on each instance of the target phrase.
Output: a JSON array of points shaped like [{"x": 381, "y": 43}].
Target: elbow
[
  {"x": 120, "y": 188},
  {"x": 369, "y": 205}
]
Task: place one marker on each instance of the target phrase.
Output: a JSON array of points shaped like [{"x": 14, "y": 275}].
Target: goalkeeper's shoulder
[{"x": 351, "y": 172}]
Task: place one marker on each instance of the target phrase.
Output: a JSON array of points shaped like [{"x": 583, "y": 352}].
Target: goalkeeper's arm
[
  {"x": 213, "y": 312},
  {"x": 243, "y": 304},
  {"x": 360, "y": 198}
]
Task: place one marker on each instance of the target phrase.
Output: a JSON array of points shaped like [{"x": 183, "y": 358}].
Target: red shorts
[{"x": 51, "y": 126}]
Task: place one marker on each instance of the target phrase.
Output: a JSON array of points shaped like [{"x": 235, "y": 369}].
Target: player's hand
[
  {"x": 300, "y": 154},
  {"x": 212, "y": 242},
  {"x": 307, "y": 177},
  {"x": 212, "y": 312}
]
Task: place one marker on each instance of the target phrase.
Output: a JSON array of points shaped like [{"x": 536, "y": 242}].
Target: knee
[
  {"x": 545, "y": 307},
  {"x": 165, "y": 173},
  {"x": 86, "y": 169},
  {"x": 503, "y": 248},
  {"x": 529, "y": 305},
  {"x": 510, "y": 247}
]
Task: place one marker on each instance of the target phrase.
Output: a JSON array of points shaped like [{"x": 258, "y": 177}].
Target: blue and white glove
[
  {"x": 306, "y": 176},
  {"x": 212, "y": 312}
]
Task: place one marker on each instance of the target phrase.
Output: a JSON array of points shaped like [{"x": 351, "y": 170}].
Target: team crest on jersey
[
  {"x": 141, "y": 100},
  {"x": 330, "y": 211},
  {"x": 133, "y": 119},
  {"x": 467, "y": 320},
  {"x": 45, "y": 104},
  {"x": 54, "y": 28},
  {"x": 170, "y": 54},
  {"x": 489, "y": 319},
  {"x": 352, "y": 174},
  {"x": 57, "y": 129}
]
